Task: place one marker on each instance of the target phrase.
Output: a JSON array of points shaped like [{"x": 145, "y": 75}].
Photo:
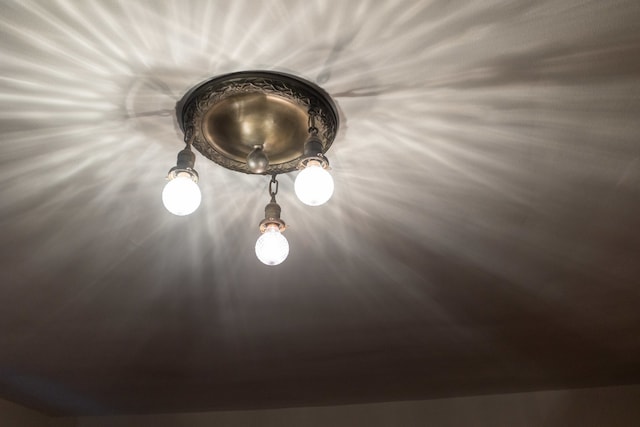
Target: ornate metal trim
[{"x": 192, "y": 108}]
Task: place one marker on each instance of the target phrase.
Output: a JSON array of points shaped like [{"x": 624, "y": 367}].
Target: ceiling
[{"x": 483, "y": 236}]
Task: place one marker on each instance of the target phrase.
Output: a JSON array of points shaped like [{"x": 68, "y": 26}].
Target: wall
[
  {"x": 610, "y": 406},
  {"x": 12, "y": 415}
]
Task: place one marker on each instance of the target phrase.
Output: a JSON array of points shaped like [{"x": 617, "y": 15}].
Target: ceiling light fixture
[{"x": 256, "y": 122}]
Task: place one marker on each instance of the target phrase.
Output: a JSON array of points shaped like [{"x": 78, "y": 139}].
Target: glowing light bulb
[
  {"x": 314, "y": 184},
  {"x": 181, "y": 196},
  {"x": 272, "y": 247}
]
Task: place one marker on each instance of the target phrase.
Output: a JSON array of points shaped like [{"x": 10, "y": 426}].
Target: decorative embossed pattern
[{"x": 196, "y": 103}]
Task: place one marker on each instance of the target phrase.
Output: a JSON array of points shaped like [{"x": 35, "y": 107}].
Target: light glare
[
  {"x": 314, "y": 185},
  {"x": 272, "y": 248},
  {"x": 181, "y": 196}
]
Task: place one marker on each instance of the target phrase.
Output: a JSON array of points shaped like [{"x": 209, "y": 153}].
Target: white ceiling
[{"x": 483, "y": 235}]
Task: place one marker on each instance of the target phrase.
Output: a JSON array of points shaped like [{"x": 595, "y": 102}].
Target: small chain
[{"x": 273, "y": 192}]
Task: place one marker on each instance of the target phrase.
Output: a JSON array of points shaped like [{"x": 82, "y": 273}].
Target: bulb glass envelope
[{"x": 272, "y": 248}]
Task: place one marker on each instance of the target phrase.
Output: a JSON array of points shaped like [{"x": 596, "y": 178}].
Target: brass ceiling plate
[{"x": 229, "y": 115}]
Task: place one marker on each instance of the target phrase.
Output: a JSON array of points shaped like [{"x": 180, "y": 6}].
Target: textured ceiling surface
[{"x": 484, "y": 234}]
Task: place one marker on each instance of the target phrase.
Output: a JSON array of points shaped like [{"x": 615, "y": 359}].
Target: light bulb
[
  {"x": 272, "y": 247},
  {"x": 181, "y": 196},
  {"x": 314, "y": 184}
]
